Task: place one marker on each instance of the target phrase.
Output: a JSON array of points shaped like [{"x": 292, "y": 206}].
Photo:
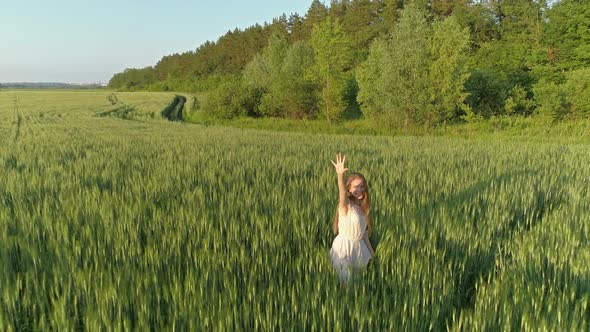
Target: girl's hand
[{"x": 339, "y": 164}]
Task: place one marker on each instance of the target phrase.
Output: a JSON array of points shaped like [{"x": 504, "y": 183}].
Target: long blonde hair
[{"x": 365, "y": 203}]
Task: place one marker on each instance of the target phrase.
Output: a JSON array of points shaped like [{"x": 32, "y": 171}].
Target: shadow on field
[
  {"x": 12, "y": 163},
  {"x": 477, "y": 263},
  {"x": 561, "y": 288}
]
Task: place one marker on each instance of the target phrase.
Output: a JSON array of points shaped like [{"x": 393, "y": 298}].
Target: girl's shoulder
[
  {"x": 350, "y": 208},
  {"x": 354, "y": 207},
  {"x": 343, "y": 212}
]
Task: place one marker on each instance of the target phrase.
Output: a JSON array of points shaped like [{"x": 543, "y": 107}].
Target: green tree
[
  {"x": 565, "y": 101},
  {"x": 204, "y": 67},
  {"x": 513, "y": 55},
  {"x": 362, "y": 24},
  {"x": 481, "y": 20},
  {"x": 551, "y": 100},
  {"x": 577, "y": 89},
  {"x": 389, "y": 13},
  {"x": 393, "y": 82},
  {"x": 333, "y": 58},
  {"x": 373, "y": 87},
  {"x": 316, "y": 14},
  {"x": 338, "y": 8},
  {"x": 518, "y": 102},
  {"x": 446, "y": 8},
  {"x": 295, "y": 28},
  {"x": 133, "y": 79},
  {"x": 487, "y": 92},
  {"x": 567, "y": 38},
  {"x": 510, "y": 58},
  {"x": 233, "y": 98},
  {"x": 297, "y": 89},
  {"x": 448, "y": 73},
  {"x": 279, "y": 74},
  {"x": 264, "y": 72}
]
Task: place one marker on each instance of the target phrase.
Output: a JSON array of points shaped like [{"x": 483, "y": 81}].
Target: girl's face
[{"x": 357, "y": 189}]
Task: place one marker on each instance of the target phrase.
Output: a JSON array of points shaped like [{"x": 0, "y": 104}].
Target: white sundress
[{"x": 348, "y": 249}]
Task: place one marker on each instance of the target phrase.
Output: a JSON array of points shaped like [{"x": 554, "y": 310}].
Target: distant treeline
[
  {"x": 412, "y": 62},
  {"x": 48, "y": 85}
]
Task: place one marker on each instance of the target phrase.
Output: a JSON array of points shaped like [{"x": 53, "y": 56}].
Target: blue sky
[{"x": 80, "y": 41}]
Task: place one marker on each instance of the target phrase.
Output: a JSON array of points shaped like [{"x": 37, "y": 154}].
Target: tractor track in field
[
  {"x": 18, "y": 121},
  {"x": 21, "y": 123},
  {"x": 173, "y": 112}
]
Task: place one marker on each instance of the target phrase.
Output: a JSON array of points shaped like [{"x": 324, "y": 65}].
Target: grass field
[{"x": 112, "y": 218}]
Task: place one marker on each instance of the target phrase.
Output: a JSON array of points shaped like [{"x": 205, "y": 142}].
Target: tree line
[{"x": 412, "y": 62}]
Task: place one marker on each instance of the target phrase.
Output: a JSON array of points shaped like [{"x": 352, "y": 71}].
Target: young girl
[{"x": 351, "y": 247}]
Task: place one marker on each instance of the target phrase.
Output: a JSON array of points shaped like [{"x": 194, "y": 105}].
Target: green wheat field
[{"x": 113, "y": 218}]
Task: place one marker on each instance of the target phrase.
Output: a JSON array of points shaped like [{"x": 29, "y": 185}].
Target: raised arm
[{"x": 340, "y": 170}]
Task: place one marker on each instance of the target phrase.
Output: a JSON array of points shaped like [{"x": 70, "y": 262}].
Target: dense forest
[{"x": 412, "y": 62}]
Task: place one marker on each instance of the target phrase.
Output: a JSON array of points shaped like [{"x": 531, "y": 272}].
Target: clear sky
[{"x": 82, "y": 41}]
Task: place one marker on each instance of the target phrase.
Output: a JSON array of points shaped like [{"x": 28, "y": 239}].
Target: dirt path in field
[
  {"x": 20, "y": 122},
  {"x": 173, "y": 112}
]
